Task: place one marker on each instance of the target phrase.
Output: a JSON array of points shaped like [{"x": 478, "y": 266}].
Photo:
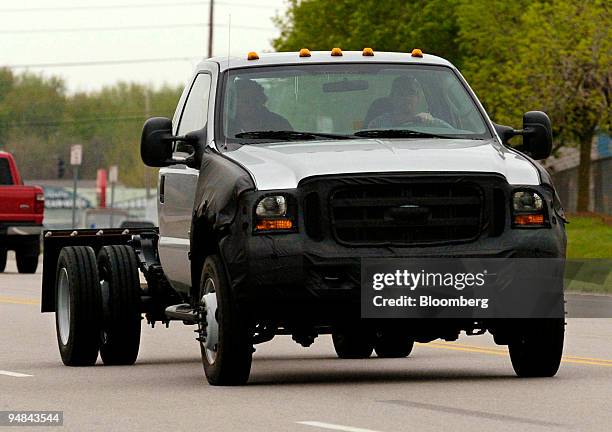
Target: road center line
[
  {"x": 504, "y": 352},
  {"x": 332, "y": 426},
  {"x": 14, "y": 374},
  {"x": 17, "y": 300}
]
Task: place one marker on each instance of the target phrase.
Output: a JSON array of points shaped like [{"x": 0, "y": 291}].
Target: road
[{"x": 468, "y": 385}]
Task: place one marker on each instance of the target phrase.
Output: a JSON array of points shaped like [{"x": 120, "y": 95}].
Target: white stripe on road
[
  {"x": 334, "y": 426},
  {"x": 14, "y": 374}
]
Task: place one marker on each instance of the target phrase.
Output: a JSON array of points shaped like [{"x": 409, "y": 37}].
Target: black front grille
[{"x": 407, "y": 213}]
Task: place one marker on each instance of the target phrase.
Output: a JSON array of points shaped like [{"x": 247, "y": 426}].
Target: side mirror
[
  {"x": 536, "y": 132},
  {"x": 156, "y": 143}
]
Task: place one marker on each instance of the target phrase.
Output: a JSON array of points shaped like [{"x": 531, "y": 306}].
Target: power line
[
  {"x": 122, "y": 28},
  {"x": 128, "y": 6},
  {"x": 100, "y": 62}
]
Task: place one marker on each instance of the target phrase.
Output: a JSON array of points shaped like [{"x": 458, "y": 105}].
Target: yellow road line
[
  {"x": 18, "y": 300},
  {"x": 504, "y": 352}
]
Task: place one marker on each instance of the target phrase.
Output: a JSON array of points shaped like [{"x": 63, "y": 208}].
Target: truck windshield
[{"x": 349, "y": 100}]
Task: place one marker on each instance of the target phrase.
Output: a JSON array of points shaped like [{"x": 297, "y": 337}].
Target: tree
[
  {"x": 392, "y": 25},
  {"x": 489, "y": 37},
  {"x": 39, "y": 121},
  {"x": 564, "y": 67}
]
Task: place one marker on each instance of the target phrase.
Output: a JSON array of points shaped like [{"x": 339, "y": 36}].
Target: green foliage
[
  {"x": 392, "y": 25},
  {"x": 566, "y": 64},
  {"x": 487, "y": 36},
  {"x": 39, "y": 121},
  {"x": 589, "y": 237}
]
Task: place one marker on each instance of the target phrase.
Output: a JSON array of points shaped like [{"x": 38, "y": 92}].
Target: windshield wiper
[
  {"x": 289, "y": 135},
  {"x": 397, "y": 133}
]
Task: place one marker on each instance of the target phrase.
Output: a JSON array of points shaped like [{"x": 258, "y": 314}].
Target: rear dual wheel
[
  {"x": 357, "y": 342},
  {"x": 77, "y": 306},
  {"x": 120, "y": 301},
  {"x": 393, "y": 344},
  {"x": 97, "y": 305}
]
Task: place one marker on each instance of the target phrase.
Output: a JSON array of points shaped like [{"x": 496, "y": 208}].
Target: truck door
[{"x": 177, "y": 187}]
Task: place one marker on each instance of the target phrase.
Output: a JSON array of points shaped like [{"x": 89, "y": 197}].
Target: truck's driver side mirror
[
  {"x": 536, "y": 132},
  {"x": 156, "y": 143}
]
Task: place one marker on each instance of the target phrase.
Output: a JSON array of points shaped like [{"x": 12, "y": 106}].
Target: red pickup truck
[{"x": 21, "y": 217}]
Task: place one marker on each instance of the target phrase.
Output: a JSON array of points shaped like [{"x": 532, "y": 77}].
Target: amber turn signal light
[
  {"x": 274, "y": 224},
  {"x": 529, "y": 219}
]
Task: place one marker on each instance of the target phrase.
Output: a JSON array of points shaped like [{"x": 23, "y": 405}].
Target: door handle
[{"x": 162, "y": 184}]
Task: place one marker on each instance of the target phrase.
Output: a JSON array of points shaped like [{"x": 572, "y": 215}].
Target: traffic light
[{"x": 61, "y": 168}]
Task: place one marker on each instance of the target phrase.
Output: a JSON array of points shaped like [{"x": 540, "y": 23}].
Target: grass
[{"x": 589, "y": 236}]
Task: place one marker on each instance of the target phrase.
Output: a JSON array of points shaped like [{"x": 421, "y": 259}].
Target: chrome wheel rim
[
  {"x": 211, "y": 355},
  {"x": 63, "y": 306}
]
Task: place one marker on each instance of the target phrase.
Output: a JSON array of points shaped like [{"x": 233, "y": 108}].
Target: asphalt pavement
[{"x": 465, "y": 385}]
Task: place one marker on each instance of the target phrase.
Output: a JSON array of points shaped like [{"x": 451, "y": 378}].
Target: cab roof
[{"x": 280, "y": 58}]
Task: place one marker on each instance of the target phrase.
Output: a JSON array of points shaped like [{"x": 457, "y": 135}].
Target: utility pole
[
  {"x": 76, "y": 158},
  {"x": 113, "y": 177},
  {"x": 210, "y": 27},
  {"x": 147, "y": 108}
]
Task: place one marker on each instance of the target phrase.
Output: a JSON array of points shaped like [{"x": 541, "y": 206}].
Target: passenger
[
  {"x": 251, "y": 112},
  {"x": 404, "y": 100}
]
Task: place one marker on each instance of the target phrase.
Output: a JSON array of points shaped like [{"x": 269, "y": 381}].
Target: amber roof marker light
[
  {"x": 304, "y": 52},
  {"x": 336, "y": 52},
  {"x": 252, "y": 56},
  {"x": 417, "y": 53},
  {"x": 367, "y": 52}
]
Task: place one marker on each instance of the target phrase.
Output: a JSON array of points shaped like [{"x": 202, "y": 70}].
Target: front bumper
[
  {"x": 20, "y": 237},
  {"x": 24, "y": 230},
  {"x": 299, "y": 268}
]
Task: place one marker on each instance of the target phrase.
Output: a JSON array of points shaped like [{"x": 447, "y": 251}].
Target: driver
[
  {"x": 404, "y": 100},
  {"x": 251, "y": 112}
]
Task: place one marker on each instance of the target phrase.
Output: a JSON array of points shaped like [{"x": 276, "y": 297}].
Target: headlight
[
  {"x": 526, "y": 201},
  {"x": 528, "y": 209},
  {"x": 272, "y": 213},
  {"x": 272, "y": 206}
]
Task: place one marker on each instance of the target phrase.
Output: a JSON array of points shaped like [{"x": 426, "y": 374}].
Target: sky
[{"x": 44, "y": 32}]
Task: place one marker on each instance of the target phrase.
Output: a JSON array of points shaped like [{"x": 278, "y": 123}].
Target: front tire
[
  {"x": 537, "y": 349},
  {"x": 77, "y": 306},
  {"x": 120, "y": 295},
  {"x": 228, "y": 361}
]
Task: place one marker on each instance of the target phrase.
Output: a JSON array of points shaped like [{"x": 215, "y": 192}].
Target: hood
[{"x": 284, "y": 165}]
